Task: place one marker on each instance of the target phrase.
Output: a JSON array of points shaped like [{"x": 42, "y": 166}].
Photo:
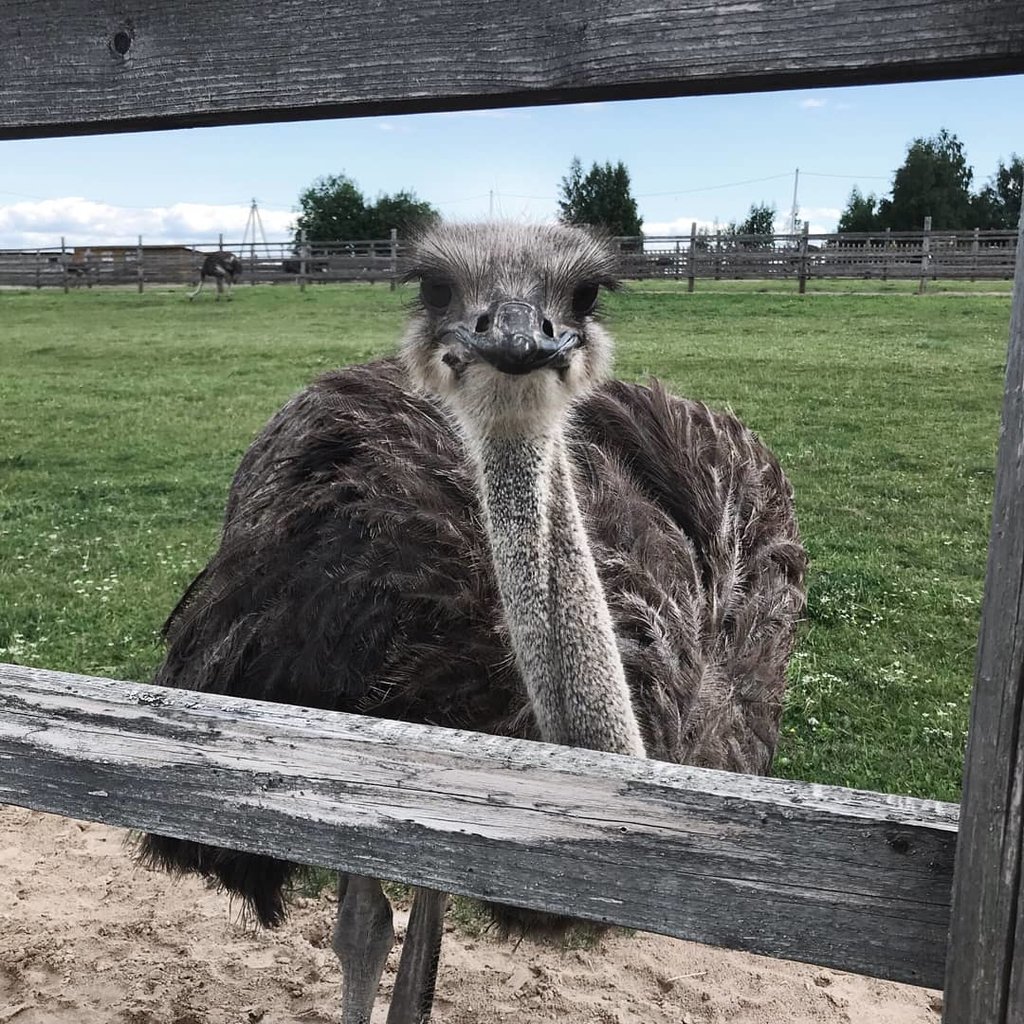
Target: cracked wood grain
[
  {"x": 985, "y": 973},
  {"x": 847, "y": 879},
  {"x": 76, "y": 66}
]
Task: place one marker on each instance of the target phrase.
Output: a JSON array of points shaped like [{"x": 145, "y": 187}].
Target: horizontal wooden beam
[
  {"x": 846, "y": 879},
  {"x": 75, "y": 66}
]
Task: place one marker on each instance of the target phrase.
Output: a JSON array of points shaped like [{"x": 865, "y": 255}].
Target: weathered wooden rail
[
  {"x": 879, "y": 256},
  {"x": 78, "y": 67},
  {"x": 831, "y": 876},
  {"x": 75, "y": 66}
]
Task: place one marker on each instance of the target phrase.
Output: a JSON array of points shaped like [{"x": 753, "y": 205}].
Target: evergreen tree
[
  {"x": 600, "y": 198},
  {"x": 997, "y": 205},
  {"x": 760, "y": 220},
  {"x": 935, "y": 182},
  {"x": 861, "y": 213}
]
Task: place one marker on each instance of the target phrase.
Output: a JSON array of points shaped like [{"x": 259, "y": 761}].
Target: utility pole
[
  {"x": 796, "y": 209},
  {"x": 253, "y": 223}
]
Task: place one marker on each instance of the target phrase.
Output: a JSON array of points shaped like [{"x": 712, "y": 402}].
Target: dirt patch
[{"x": 86, "y": 937}]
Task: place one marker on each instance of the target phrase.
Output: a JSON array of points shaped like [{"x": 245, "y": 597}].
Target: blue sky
[{"x": 703, "y": 159}]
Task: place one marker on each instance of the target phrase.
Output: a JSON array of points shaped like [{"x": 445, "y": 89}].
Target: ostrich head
[{"x": 504, "y": 329}]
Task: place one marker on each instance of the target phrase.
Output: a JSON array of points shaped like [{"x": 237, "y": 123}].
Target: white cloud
[
  {"x": 42, "y": 222},
  {"x": 813, "y": 103},
  {"x": 822, "y": 218}
]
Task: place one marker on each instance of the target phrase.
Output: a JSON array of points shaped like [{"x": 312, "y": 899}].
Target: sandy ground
[{"x": 87, "y": 937}]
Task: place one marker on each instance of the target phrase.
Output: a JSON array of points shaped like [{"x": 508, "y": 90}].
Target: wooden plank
[
  {"x": 987, "y": 931},
  {"x": 75, "y": 66},
  {"x": 846, "y": 879}
]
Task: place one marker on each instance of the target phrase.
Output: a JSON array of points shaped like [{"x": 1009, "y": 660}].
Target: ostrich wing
[
  {"x": 352, "y": 573},
  {"x": 696, "y": 538}
]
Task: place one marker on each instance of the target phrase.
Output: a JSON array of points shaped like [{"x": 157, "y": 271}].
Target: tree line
[
  {"x": 334, "y": 208},
  {"x": 934, "y": 181}
]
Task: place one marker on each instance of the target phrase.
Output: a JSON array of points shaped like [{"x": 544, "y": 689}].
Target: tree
[
  {"x": 600, "y": 198},
  {"x": 334, "y": 209},
  {"x": 401, "y": 211},
  {"x": 997, "y": 205},
  {"x": 861, "y": 213},
  {"x": 935, "y": 182},
  {"x": 760, "y": 220}
]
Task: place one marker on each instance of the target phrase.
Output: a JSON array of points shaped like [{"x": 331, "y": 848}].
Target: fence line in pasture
[
  {"x": 841, "y": 878},
  {"x": 924, "y": 256}
]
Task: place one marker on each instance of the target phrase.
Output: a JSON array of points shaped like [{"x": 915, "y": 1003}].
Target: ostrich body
[
  {"x": 221, "y": 267},
  {"x": 486, "y": 533}
]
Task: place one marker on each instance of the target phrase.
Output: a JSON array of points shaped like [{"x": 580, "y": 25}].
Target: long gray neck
[{"x": 554, "y": 604}]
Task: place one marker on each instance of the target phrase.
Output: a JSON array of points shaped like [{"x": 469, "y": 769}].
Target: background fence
[{"x": 883, "y": 256}]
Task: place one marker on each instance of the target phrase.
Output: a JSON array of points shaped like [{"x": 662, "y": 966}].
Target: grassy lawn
[{"x": 122, "y": 418}]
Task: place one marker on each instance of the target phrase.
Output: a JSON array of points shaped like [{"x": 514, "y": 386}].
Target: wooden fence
[
  {"x": 923, "y": 256},
  {"x": 745, "y": 858},
  {"x": 83, "y": 266},
  {"x": 847, "y": 879}
]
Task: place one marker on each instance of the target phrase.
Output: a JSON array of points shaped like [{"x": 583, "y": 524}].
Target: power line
[
  {"x": 869, "y": 177},
  {"x": 712, "y": 188}
]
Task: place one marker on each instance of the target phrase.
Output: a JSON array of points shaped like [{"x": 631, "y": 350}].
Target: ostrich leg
[
  {"x": 363, "y": 937},
  {"x": 413, "y": 997}
]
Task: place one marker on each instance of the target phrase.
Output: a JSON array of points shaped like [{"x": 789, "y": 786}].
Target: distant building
[{"x": 171, "y": 263}]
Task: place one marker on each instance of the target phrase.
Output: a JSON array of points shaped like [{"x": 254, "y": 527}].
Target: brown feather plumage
[{"x": 353, "y": 574}]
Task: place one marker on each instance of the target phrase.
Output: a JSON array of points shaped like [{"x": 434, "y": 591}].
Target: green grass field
[{"x": 122, "y": 418}]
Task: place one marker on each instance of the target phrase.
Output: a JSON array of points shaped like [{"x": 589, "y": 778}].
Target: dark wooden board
[
  {"x": 77, "y": 66},
  {"x": 846, "y": 879},
  {"x": 986, "y": 955}
]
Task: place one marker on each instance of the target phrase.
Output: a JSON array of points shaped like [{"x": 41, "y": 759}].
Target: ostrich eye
[
  {"x": 584, "y": 299},
  {"x": 436, "y": 294}
]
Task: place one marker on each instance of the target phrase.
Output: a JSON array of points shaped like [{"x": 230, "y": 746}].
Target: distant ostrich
[
  {"x": 485, "y": 533},
  {"x": 222, "y": 267}
]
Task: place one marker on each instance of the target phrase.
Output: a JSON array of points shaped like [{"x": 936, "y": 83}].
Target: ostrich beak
[{"x": 517, "y": 339}]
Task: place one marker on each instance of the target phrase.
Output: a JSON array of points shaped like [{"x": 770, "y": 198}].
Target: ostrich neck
[{"x": 555, "y": 607}]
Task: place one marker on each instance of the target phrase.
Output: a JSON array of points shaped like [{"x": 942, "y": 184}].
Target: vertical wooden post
[
  {"x": 394, "y": 258},
  {"x": 888, "y": 249},
  {"x": 803, "y": 257},
  {"x": 138, "y": 265},
  {"x": 303, "y": 253},
  {"x": 975, "y": 248},
  {"x": 220, "y": 242},
  {"x": 985, "y": 961},
  {"x": 39, "y": 272},
  {"x": 926, "y": 248},
  {"x": 691, "y": 276},
  {"x": 64, "y": 264},
  {"x": 718, "y": 255}
]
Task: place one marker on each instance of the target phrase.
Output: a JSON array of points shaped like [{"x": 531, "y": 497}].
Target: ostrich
[
  {"x": 223, "y": 267},
  {"x": 485, "y": 532}
]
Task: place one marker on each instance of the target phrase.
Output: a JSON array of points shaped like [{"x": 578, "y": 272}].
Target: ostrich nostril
[
  {"x": 547, "y": 328},
  {"x": 482, "y": 324}
]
